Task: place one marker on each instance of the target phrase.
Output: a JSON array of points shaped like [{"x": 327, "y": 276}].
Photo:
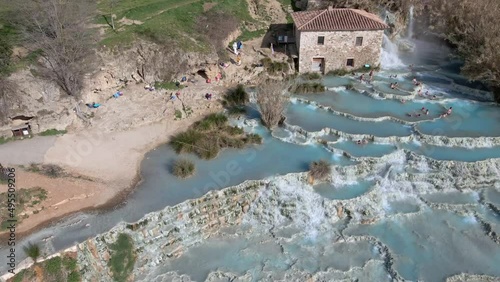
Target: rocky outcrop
[
  {"x": 168, "y": 233},
  {"x": 40, "y": 102},
  {"x": 288, "y": 200}
]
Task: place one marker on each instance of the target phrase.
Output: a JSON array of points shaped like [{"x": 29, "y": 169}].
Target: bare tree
[
  {"x": 272, "y": 101},
  {"x": 60, "y": 30}
]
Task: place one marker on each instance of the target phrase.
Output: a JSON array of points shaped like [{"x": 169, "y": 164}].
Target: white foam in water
[
  {"x": 339, "y": 179},
  {"x": 416, "y": 142},
  {"x": 337, "y": 89},
  {"x": 422, "y": 166},
  {"x": 390, "y": 55},
  {"x": 285, "y": 199},
  {"x": 312, "y": 106},
  {"x": 470, "y": 219}
]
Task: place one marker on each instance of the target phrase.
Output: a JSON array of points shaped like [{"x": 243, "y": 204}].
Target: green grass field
[{"x": 163, "y": 20}]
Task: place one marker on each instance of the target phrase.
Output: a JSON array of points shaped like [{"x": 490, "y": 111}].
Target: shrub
[
  {"x": 237, "y": 96},
  {"x": 32, "y": 251},
  {"x": 206, "y": 137},
  {"x": 53, "y": 265},
  {"x": 231, "y": 142},
  {"x": 184, "y": 142},
  {"x": 168, "y": 85},
  {"x": 273, "y": 67},
  {"x": 311, "y": 76},
  {"x": 234, "y": 130},
  {"x": 52, "y": 171},
  {"x": 51, "y": 132},
  {"x": 211, "y": 122},
  {"x": 69, "y": 263},
  {"x": 309, "y": 87},
  {"x": 253, "y": 139},
  {"x": 74, "y": 276},
  {"x": 208, "y": 148},
  {"x": 319, "y": 169},
  {"x": 233, "y": 111},
  {"x": 183, "y": 168},
  {"x": 122, "y": 258},
  {"x": 178, "y": 114},
  {"x": 340, "y": 72}
]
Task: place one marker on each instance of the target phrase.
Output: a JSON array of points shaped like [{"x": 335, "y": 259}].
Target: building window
[
  {"x": 321, "y": 40},
  {"x": 350, "y": 63},
  {"x": 359, "y": 41}
]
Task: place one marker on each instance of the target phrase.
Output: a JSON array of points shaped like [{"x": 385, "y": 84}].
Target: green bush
[
  {"x": 229, "y": 142},
  {"x": 235, "y": 111},
  {"x": 51, "y": 132},
  {"x": 234, "y": 130},
  {"x": 19, "y": 276},
  {"x": 273, "y": 67},
  {"x": 4, "y": 140},
  {"x": 208, "y": 136},
  {"x": 178, "y": 114},
  {"x": 237, "y": 96},
  {"x": 208, "y": 148},
  {"x": 53, "y": 265},
  {"x": 122, "y": 258},
  {"x": 32, "y": 251},
  {"x": 74, "y": 276},
  {"x": 311, "y": 76},
  {"x": 253, "y": 139},
  {"x": 168, "y": 85},
  {"x": 183, "y": 168},
  {"x": 69, "y": 263},
  {"x": 184, "y": 142},
  {"x": 52, "y": 171},
  {"x": 309, "y": 87},
  {"x": 340, "y": 72},
  {"x": 210, "y": 122}
]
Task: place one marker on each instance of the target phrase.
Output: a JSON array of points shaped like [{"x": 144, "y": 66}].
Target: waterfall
[
  {"x": 390, "y": 55},
  {"x": 410, "y": 24}
]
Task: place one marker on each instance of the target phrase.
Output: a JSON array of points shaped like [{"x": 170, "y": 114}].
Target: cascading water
[
  {"x": 390, "y": 57},
  {"x": 410, "y": 24}
]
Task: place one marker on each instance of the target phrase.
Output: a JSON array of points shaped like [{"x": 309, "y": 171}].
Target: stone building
[{"x": 334, "y": 39}]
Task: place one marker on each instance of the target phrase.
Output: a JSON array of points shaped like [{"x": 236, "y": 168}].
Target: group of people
[
  {"x": 447, "y": 113},
  {"x": 426, "y": 112},
  {"x": 362, "y": 76},
  {"x": 423, "y": 110}
]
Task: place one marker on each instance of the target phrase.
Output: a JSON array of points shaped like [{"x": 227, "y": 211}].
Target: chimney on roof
[{"x": 330, "y": 7}]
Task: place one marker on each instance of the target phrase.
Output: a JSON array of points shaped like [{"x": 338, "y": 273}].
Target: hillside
[{"x": 152, "y": 41}]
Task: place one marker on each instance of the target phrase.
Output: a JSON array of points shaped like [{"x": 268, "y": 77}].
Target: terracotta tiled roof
[{"x": 337, "y": 19}]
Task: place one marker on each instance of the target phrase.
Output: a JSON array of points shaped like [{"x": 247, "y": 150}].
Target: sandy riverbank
[{"x": 105, "y": 162}]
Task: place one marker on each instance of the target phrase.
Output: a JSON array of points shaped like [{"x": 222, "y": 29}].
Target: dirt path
[{"x": 26, "y": 151}]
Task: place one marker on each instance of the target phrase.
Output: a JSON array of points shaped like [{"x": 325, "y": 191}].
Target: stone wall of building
[{"x": 338, "y": 47}]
